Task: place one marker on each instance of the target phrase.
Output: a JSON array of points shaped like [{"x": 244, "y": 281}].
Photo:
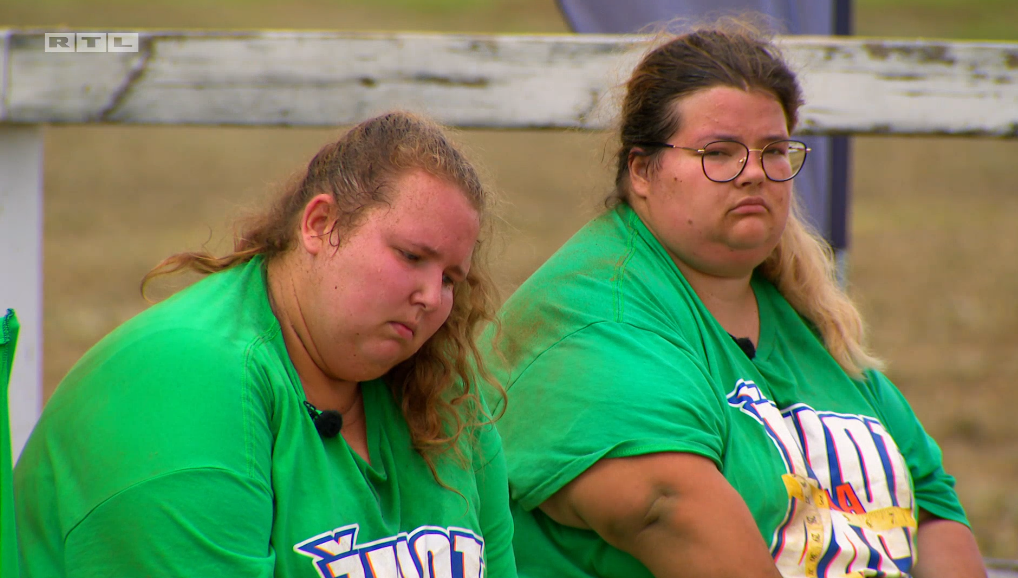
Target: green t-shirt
[
  {"x": 607, "y": 352},
  {"x": 179, "y": 446}
]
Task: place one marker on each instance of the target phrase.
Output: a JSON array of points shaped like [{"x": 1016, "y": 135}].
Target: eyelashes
[{"x": 414, "y": 258}]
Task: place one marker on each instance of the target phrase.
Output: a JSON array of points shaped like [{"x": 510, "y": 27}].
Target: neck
[
  {"x": 727, "y": 294},
  {"x": 351, "y": 413},
  {"x": 321, "y": 388},
  {"x": 729, "y": 299}
]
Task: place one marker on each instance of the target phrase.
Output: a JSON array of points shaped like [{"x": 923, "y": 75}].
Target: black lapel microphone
[{"x": 328, "y": 422}]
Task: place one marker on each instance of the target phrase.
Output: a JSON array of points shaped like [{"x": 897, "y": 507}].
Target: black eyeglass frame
[{"x": 702, "y": 151}]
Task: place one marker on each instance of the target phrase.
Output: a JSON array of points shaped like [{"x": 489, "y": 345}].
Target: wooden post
[{"x": 21, "y": 151}]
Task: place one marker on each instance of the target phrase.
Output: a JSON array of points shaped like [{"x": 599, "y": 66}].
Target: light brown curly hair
[{"x": 437, "y": 387}]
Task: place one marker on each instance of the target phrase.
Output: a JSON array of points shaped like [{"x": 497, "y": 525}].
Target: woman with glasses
[{"x": 688, "y": 389}]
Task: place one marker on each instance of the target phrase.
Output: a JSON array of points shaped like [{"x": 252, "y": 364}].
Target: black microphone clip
[{"x": 328, "y": 422}]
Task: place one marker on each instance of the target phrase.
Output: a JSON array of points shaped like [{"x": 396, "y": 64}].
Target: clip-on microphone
[{"x": 328, "y": 422}]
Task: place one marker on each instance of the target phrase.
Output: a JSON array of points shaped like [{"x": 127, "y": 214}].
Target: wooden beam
[{"x": 853, "y": 85}]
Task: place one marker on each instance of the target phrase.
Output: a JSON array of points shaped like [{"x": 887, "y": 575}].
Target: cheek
[
  {"x": 443, "y": 311},
  {"x": 783, "y": 203},
  {"x": 684, "y": 196},
  {"x": 373, "y": 291},
  {"x": 390, "y": 276}
]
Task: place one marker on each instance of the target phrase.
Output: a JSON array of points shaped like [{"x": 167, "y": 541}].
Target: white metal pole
[{"x": 21, "y": 154}]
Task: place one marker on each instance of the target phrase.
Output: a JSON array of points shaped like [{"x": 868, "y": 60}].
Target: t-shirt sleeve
[
  {"x": 934, "y": 487},
  {"x": 495, "y": 518},
  {"x": 157, "y": 456},
  {"x": 608, "y": 390},
  {"x": 192, "y": 523}
]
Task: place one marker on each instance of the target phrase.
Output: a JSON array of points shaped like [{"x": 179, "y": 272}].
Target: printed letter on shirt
[
  {"x": 427, "y": 552},
  {"x": 850, "y": 497}
]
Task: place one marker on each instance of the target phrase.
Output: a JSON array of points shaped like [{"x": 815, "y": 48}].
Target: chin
[
  {"x": 383, "y": 362},
  {"x": 748, "y": 250},
  {"x": 366, "y": 372},
  {"x": 762, "y": 241},
  {"x": 745, "y": 258}
]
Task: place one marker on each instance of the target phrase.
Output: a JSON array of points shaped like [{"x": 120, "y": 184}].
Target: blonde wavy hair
[
  {"x": 735, "y": 54},
  {"x": 438, "y": 387}
]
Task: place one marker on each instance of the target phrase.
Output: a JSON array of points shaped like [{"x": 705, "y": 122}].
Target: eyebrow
[
  {"x": 716, "y": 137},
  {"x": 432, "y": 253}
]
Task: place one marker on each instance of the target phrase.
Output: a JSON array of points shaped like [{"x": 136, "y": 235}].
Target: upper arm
[
  {"x": 946, "y": 549},
  {"x": 193, "y": 523},
  {"x": 674, "y": 512}
]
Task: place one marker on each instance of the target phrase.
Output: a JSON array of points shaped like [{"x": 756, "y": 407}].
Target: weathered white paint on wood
[
  {"x": 501, "y": 81},
  {"x": 21, "y": 152},
  {"x": 908, "y": 86}
]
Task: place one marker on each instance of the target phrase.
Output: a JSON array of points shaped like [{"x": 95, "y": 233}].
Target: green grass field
[{"x": 933, "y": 219}]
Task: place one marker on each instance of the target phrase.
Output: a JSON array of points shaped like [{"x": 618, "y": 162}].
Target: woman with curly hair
[{"x": 310, "y": 408}]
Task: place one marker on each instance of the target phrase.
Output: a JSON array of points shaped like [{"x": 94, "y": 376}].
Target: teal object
[{"x": 8, "y": 537}]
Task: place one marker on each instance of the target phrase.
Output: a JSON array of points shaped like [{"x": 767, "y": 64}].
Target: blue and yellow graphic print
[
  {"x": 850, "y": 499},
  {"x": 427, "y": 552}
]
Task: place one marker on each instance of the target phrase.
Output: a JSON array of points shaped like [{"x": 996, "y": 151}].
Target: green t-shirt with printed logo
[
  {"x": 607, "y": 352},
  {"x": 179, "y": 446}
]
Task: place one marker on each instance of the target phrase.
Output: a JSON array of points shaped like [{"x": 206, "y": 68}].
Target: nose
[
  {"x": 752, "y": 171},
  {"x": 428, "y": 293}
]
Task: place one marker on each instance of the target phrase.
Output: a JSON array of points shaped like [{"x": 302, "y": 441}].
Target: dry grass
[{"x": 932, "y": 226}]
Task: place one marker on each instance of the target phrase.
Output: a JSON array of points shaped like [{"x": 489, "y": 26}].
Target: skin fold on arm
[{"x": 674, "y": 512}]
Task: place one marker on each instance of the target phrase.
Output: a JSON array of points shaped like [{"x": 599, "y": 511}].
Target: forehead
[
  {"x": 418, "y": 192},
  {"x": 424, "y": 204},
  {"x": 725, "y": 111}
]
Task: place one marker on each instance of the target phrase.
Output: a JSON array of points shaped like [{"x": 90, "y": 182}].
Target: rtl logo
[{"x": 91, "y": 42}]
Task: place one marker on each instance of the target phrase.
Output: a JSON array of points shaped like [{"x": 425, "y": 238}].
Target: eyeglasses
[{"x": 724, "y": 160}]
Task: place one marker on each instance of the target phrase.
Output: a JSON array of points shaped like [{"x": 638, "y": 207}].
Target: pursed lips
[
  {"x": 405, "y": 329},
  {"x": 750, "y": 205}
]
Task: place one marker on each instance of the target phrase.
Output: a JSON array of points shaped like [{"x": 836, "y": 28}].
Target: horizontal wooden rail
[{"x": 853, "y": 85}]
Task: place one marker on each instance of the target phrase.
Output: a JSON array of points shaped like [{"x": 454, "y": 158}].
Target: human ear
[
  {"x": 316, "y": 223},
  {"x": 639, "y": 172}
]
